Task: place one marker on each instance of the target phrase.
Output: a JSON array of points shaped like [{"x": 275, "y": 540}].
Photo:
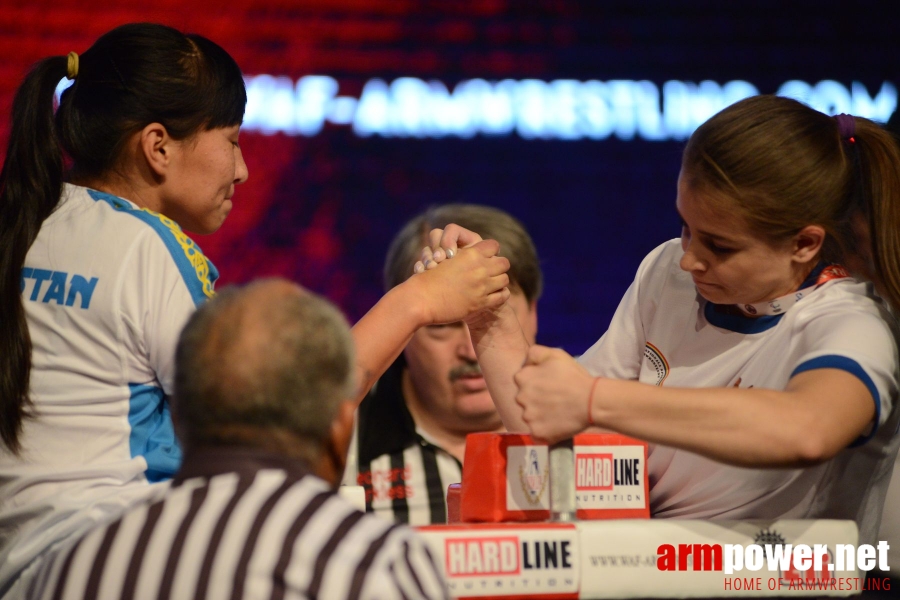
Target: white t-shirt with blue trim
[
  {"x": 665, "y": 333},
  {"x": 107, "y": 288}
]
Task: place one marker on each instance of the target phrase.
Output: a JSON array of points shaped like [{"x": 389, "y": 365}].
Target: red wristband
[{"x": 591, "y": 402}]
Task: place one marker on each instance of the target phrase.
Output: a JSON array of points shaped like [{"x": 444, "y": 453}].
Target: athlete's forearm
[
  {"x": 501, "y": 348},
  {"x": 383, "y": 332},
  {"x": 803, "y": 425}
]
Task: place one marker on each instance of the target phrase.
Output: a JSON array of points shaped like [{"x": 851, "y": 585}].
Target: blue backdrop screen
[{"x": 569, "y": 115}]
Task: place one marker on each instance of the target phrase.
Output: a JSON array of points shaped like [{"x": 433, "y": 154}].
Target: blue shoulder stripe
[
  {"x": 835, "y": 361},
  {"x": 198, "y": 272}
]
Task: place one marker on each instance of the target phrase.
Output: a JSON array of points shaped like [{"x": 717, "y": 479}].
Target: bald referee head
[{"x": 267, "y": 366}]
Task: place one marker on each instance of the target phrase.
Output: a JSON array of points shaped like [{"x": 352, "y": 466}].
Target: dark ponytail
[
  {"x": 30, "y": 185},
  {"x": 132, "y": 76},
  {"x": 879, "y": 178}
]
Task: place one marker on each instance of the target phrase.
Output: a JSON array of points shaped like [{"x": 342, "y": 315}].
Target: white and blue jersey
[
  {"x": 665, "y": 333},
  {"x": 107, "y": 288}
]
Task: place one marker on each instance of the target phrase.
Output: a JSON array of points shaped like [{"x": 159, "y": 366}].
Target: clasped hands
[{"x": 554, "y": 390}]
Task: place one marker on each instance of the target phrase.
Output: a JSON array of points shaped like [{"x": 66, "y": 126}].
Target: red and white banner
[
  {"x": 630, "y": 558},
  {"x": 506, "y": 477}
]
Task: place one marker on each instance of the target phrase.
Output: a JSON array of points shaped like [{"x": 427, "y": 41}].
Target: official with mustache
[{"x": 410, "y": 436}]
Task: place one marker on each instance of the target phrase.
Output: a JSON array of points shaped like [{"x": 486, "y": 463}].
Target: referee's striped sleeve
[
  {"x": 264, "y": 535},
  {"x": 405, "y": 569}
]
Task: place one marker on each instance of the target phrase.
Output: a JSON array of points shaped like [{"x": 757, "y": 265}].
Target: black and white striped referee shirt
[
  {"x": 241, "y": 524},
  {"x": 404, "y": 474}
]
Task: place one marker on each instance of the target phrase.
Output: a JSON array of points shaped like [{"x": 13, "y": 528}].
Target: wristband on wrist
[{"x": 591, "y": 402}]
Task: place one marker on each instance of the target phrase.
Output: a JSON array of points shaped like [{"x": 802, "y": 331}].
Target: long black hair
[{"x": 132, "y": 76}]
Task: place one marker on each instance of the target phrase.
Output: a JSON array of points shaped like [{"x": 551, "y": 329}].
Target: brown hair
[
  {"x": 781, "y": 165},
  {"x": 489, "y": 223}
]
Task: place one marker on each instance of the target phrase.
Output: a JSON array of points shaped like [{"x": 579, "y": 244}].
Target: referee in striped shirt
[
  {"x": 262, "y": 374},
  {"x": 412, "y": 427}
]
